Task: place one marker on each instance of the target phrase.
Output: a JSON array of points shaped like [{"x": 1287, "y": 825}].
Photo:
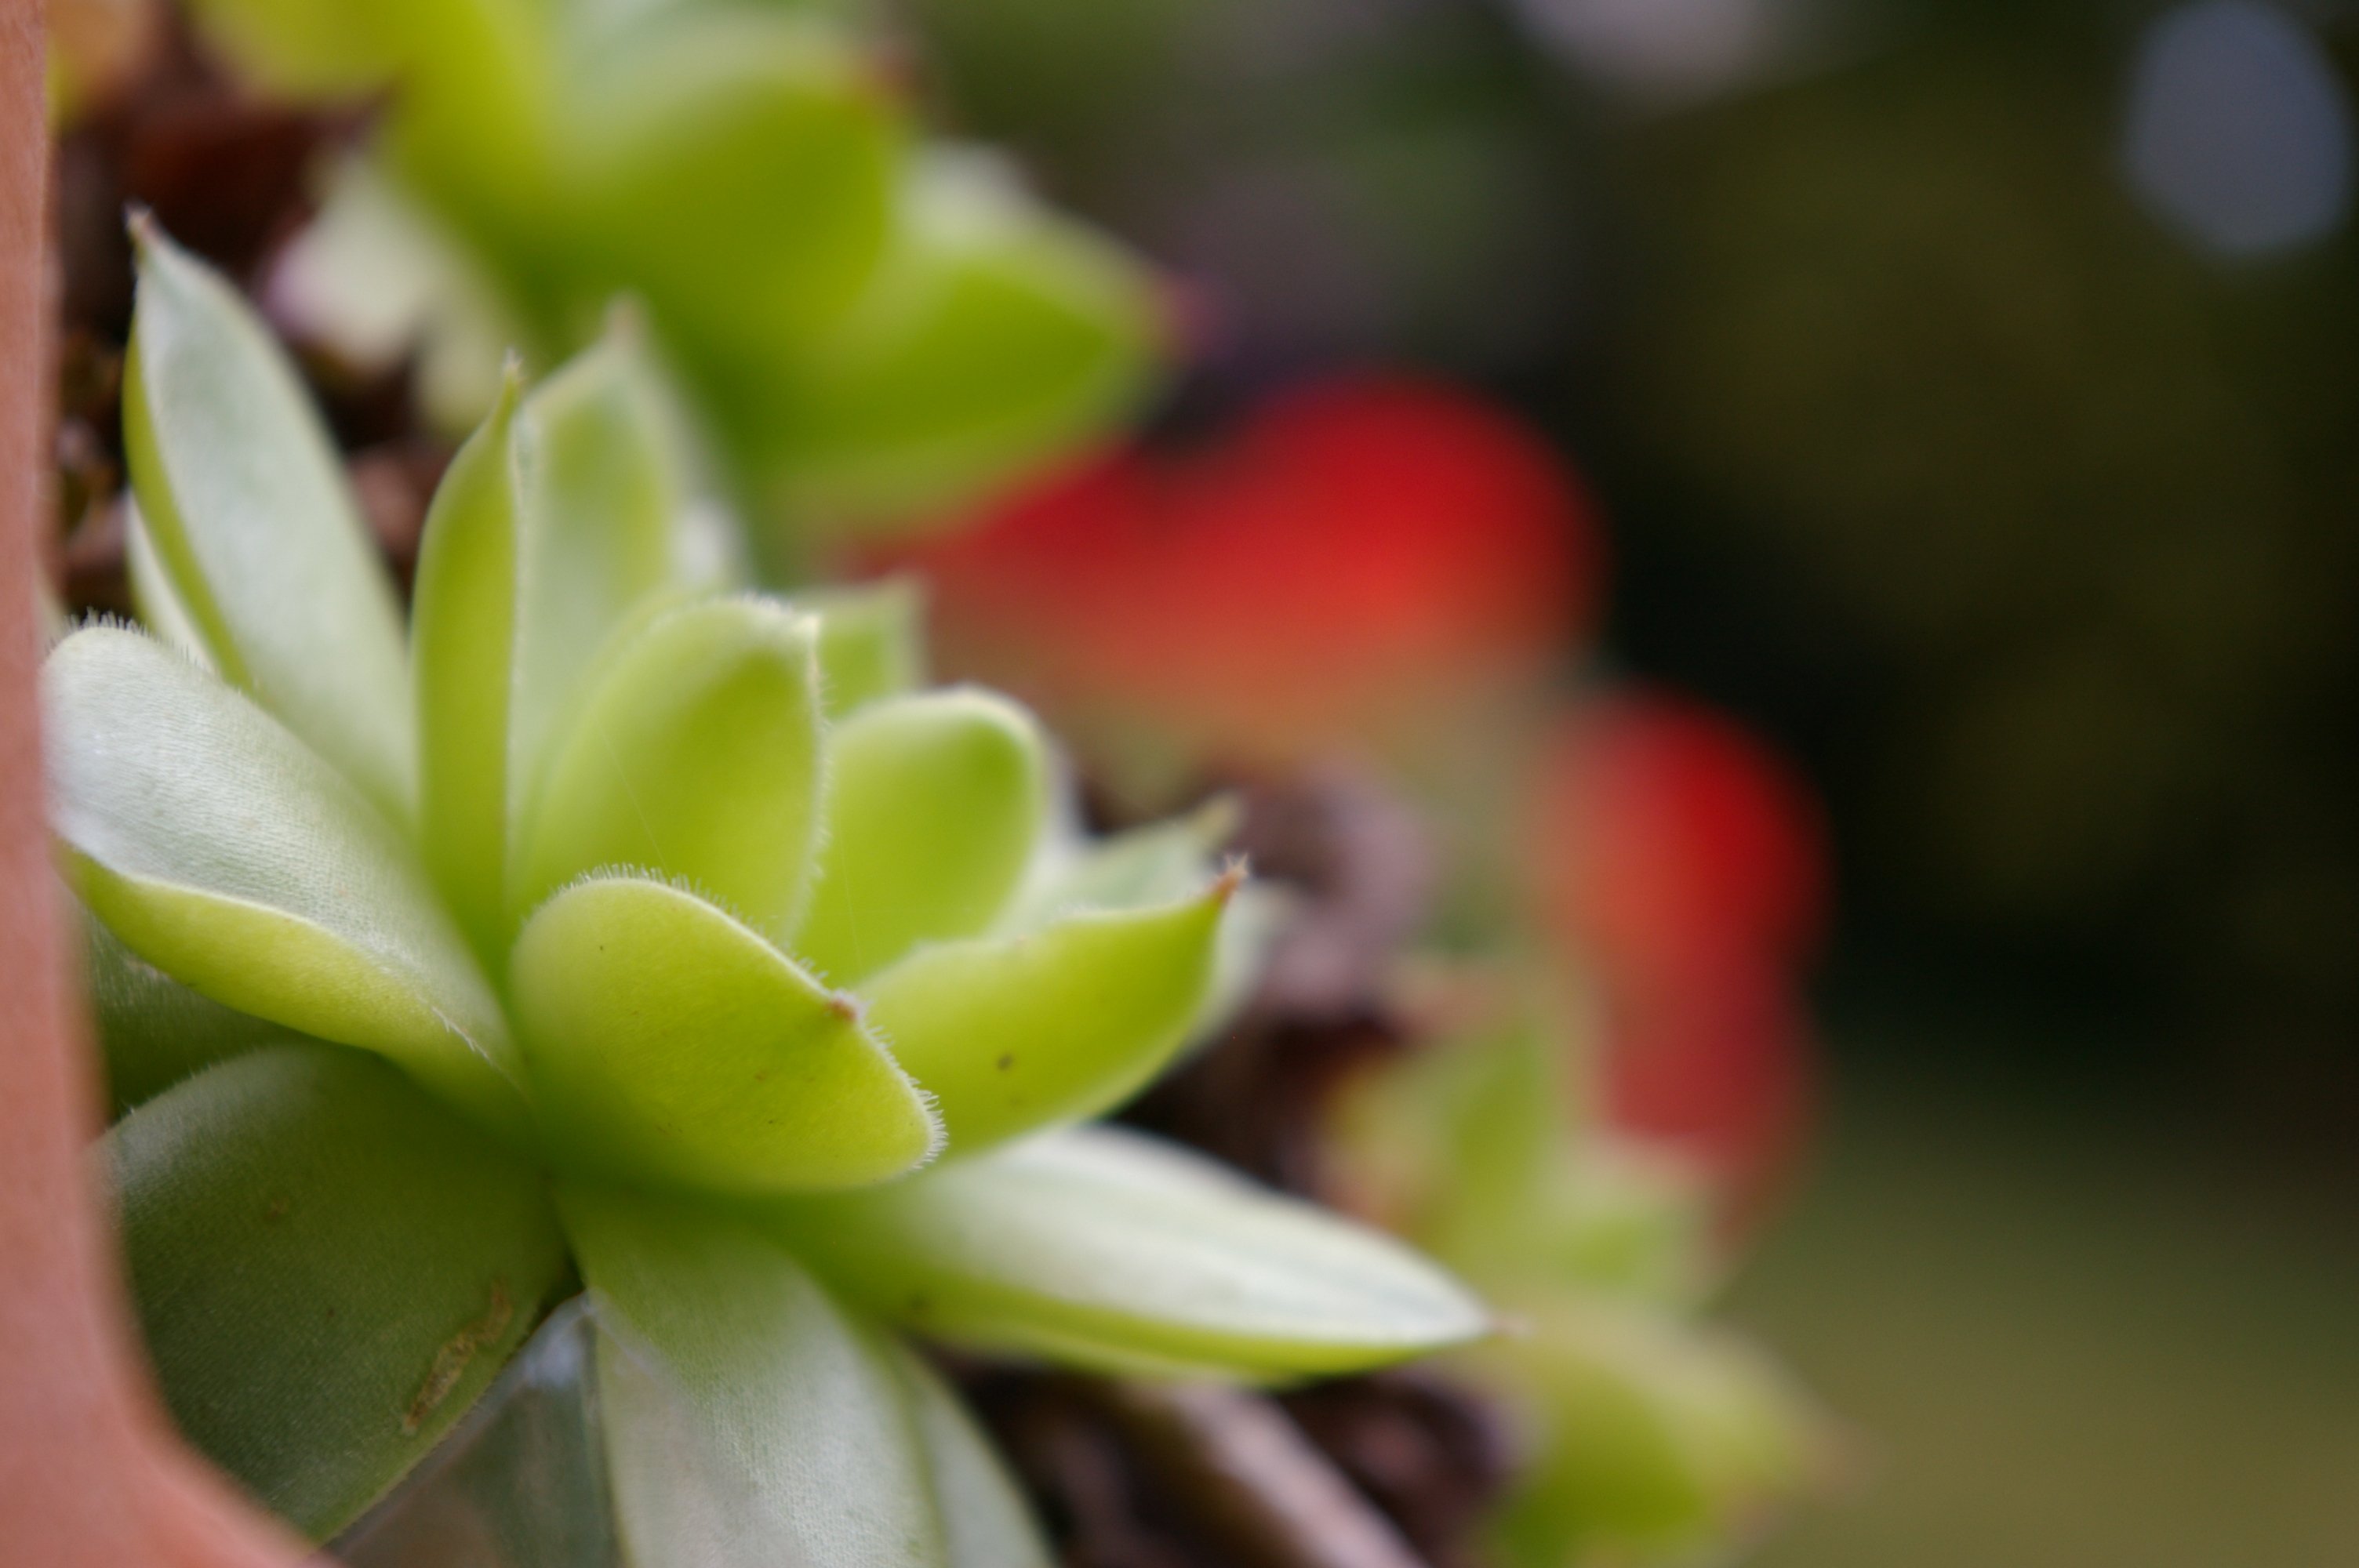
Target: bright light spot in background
[
  {"x": 2239, "y": 131},
  {"x": 1681, "y": 47}
]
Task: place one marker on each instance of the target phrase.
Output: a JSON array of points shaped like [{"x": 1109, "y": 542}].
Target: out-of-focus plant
[
  {"x": 875, "y": 328},
  {"x": 1651, "y": 1435},
  {"x": 1370, "y": 563},
  {"x": 622, "y": 928}
]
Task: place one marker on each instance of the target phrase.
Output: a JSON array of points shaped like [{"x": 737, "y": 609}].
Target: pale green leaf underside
[
  {"x": 328, "y": 1268},
  {"x": 1011, "y": 1033},
  {"x": 227, "y": 854},
  {"x": 696, "y": 757},
  {"x": 935, "y": 803},
  {"x": 1111, "y": 1250},
  {"x": 750, "y": 1421},
  {"x": 670, "y": 1042},
  {"x": 246, "y": 508}
]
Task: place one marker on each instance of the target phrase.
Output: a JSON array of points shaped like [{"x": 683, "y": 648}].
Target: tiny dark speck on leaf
[
  {"x": 276, "y": 1209},
  {"x": 1006, "y": 1060}
]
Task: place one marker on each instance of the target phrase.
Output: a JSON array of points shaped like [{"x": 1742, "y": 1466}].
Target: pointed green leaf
[
  {"x": 935, "y": 802},
  {"x": 328, "y": 1268},
  {"x": 254, "y": 528},
  {"x": 1010, "y": 1033},
  {"x": 1157, "y": 863},
  {"x": 1112, "y": 1250},
  {"x": 667, "y": 1041},
  {"x": 152, "y": 1029},
  {"x": 603, "y": 487},
  {"x": 990, "y": 336},
  {"x": 871, "y": 642},
  {"x": 697, "y": 757},
  {"x": 464, "y": 626},
  {"x": 750, "y": 1419},
  {"x": 552, "y": 529},
  {"x": 227, "y": 854},
  {"x": 985, "y": 1521}
]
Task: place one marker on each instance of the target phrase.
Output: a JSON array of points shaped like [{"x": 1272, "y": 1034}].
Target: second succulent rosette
[{"x": 614, "y": 925}]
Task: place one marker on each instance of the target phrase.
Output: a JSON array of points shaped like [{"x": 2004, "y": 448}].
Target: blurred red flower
[
  {"x": 1721, "y": 1071},
  {"x": 1350, "y": 558},
  {"x": 1684, "y": 866}
]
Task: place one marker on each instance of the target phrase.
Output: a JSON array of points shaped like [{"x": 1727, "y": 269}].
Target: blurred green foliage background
[{"x": 2065, "y": 1338}]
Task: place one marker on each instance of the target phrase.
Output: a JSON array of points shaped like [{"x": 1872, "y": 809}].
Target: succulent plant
[
  {"x": 874, "y": 326},
  {"x": 627, "y": 928}
]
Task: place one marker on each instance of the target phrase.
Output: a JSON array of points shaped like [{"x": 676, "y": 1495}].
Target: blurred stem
[{"x": 1248, "y": 1475}]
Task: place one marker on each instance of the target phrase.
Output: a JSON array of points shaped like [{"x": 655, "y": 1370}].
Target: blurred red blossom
[
  {"x": 1684, "y": 866},
  {"x": 1722, "y": 1071},
  {"x": 1350, "y": 558},
  {"x": 1671, "y": 841}
]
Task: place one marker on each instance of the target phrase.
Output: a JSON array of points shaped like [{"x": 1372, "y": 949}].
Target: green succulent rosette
[
  {"x": 877, "y": 328},
  {"x": 612, "y": 925}
]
